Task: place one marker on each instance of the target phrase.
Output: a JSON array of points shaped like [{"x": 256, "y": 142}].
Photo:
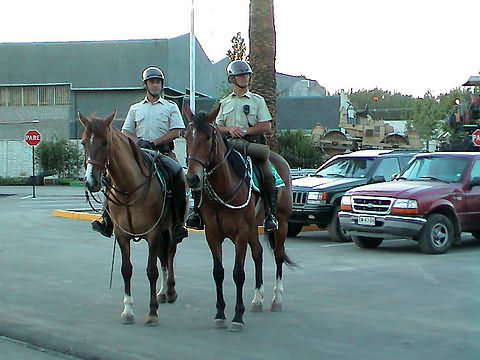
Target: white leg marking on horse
[
  {"x": 258, "y": 296},
  {"x": 278, "y": 292},
  {"x": 128, "y": 304},
  {"x": 163, "y": 287}
]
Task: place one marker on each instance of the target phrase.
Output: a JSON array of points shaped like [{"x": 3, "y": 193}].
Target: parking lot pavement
[
  {"x": 16, "y": 350},
  {"x": 341, "y": 302}
]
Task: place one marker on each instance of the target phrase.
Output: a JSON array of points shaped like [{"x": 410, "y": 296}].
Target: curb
[{"x": 76, "y": 215}]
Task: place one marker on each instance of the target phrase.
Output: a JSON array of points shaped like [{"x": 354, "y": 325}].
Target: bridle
[{"x": 208, "y": 170}]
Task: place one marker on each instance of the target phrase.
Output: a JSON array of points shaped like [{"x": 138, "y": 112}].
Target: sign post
[{"x": 32, "y": 138}]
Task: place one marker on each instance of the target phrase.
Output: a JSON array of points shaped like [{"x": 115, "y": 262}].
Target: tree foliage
[
  {"x": 59, "y": 155},
  {"x": 239, "y": 49},
  {"x": 297, "y": 149}
]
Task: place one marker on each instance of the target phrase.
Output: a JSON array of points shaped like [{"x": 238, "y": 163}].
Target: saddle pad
[{"x": 278, "y": 180}]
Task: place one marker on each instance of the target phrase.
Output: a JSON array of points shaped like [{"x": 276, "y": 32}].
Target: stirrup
[
  {"x": 102, "y": 228},
  {"x": 194, "y": 221},
  {"x": 270, "y": 223}
]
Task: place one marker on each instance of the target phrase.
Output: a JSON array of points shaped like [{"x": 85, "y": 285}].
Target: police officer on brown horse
[
  {"x": 154, "y": 123},
  {"x": 245, "y": 119}
]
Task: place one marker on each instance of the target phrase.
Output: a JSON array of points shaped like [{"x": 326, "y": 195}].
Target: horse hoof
[
  {"x": 276, "y": 307},
  {"x": 151, "y": 320},
  {"x": 127, "y": 318},
  {"x": 171, "y": 298},
  {"x": 256, "y": 307},
  {"x": 162, "y": 298},
  {"x": 220, "y": 323},
  {"x": 236, "y": 327}
]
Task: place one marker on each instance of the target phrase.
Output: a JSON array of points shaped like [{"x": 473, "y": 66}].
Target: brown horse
[
  {"x": 230, "y": 210},
  {"x": 136, "y": 202}
]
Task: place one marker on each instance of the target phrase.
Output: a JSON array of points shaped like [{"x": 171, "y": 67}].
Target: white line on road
[{"x": 26, "y": 197}]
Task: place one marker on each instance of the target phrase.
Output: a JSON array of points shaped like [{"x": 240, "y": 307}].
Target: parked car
[
  {"x": 433, "y": 201},
  {"x": 316, "y": 198}
]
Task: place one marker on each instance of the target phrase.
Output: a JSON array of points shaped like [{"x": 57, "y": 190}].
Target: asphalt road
[{"x": 341, "y": 303}]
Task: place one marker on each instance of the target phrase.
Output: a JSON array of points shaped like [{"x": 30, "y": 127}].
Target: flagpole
[{"x": 192, "y": 59}]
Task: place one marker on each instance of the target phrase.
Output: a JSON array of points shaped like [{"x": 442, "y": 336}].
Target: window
[
  {"x": 15, "y": 96},
  {"x": 377, "y": 131},
  {"x": 30, "y": 96},
  {"x": 387, "y": 168},
  {"x": 3, "y": 96},
  {"x": 62, "y": 95},
  {"x": 475, "y": 170},
  {"x": 46, "y": 95}
]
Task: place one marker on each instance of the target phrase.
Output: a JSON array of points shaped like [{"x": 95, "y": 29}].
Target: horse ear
[
  {"x": 212, "y": 115},
  {"x": 110, "y": 118},
  {"x": 83, "y": 119},
  {"x": 187, "y": 111}
]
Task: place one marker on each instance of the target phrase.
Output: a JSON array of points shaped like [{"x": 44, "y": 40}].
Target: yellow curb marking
[{"x": 87, "y": 216}]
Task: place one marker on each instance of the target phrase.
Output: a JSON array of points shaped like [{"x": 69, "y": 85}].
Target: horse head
[
  {"x": 201, "y": 137},
  {"x": 95, "y": 141}
]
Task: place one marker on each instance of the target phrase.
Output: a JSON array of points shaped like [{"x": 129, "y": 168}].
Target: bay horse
[
  {"x": 136, "y": 201},
  {"x": 228, "y": 209}
]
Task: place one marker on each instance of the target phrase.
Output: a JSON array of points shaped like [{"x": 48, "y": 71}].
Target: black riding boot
[
  {"x": 104, "y": 227},
  {"x": 270, "y": 223},
  {"x": 179, "y": 198},
  {"x": 194, "y": 220}
]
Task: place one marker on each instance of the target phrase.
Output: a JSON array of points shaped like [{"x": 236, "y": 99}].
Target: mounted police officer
[
  {"x": 245, "y": 119},
  {"x": 154, "y": 123}
]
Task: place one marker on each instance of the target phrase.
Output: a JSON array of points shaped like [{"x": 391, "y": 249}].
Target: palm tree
[{"x": 262, "y": 57}]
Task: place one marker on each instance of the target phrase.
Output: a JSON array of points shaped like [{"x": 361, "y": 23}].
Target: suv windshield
[
  {"x": 347, "y": 167},
  {"x": 446, "y": 169}
]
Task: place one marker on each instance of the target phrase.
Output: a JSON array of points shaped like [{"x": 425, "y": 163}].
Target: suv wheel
[
  {"x": 293, "y": 229},
  {"x": 437, "y": 235},
  {"x": 334, "y": 229},
  {"x": 367, "y": 242}
]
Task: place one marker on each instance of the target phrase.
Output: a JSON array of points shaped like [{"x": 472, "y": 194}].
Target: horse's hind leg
[
  {"x": 279, "y": 252},
  {"x": 127, "y": 316},
  {"x": 257, "y": 255},
  {"x": 152, "y": 273}
]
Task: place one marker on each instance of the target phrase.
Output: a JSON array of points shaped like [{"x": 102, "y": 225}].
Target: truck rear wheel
[
  {"x": 367, "y": 242},
  {"x": 437, "y": 235},
  {"x": 335, "y": 230},
  {"x": 294, "y": 229}
]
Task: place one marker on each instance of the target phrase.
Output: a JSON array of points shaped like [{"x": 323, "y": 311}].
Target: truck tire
[
  {"x": 334, "y": 230},
  {"x": 437, "y": 235},
  {"x": 293, "y": 229},
  {"x": 367, "y": 242}
]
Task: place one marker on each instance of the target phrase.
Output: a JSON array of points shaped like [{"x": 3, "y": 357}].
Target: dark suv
[{"x": 316, "y": 198}]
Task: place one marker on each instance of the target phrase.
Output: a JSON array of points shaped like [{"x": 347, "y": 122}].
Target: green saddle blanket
[{"x": 278, "y": 180}]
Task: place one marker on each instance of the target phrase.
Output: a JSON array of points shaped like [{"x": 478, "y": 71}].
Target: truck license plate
[{"x": 366, "y": 220}]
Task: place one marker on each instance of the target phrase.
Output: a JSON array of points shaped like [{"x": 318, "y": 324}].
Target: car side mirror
[
  {"x": 378, "y": 179},
  {"x": 474, "y": 182},
  {"x": 395, "y": 177}
]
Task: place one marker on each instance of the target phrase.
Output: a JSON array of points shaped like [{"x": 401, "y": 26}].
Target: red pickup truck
[{"x": 434, "y": 200}]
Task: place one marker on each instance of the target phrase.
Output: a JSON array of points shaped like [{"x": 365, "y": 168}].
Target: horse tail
[{"x": 271, "y": 242}]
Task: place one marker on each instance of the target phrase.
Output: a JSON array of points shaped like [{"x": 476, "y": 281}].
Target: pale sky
[{"x": 409, "y": 45}]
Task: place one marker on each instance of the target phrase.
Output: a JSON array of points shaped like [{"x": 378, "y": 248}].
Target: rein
[{"x": 208, "y": 187}]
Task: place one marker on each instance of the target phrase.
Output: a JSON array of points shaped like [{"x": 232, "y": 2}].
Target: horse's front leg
[
  {"x": 127, "y": 316},
  {"x": 215, "y": 245},
  {"x": 239, "y": 279},
  {"x": 257, "y": 255},
  {"x": 152, "y": 273},
  {"x": 163, "y": 256}
]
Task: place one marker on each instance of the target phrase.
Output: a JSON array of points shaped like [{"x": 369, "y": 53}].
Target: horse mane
[{"x": 237, "y": 163}]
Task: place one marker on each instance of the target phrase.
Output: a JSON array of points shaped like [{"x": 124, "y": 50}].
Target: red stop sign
[
  {"x": 32, "y": 137},
  {"x": 476, "y": 137}
]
